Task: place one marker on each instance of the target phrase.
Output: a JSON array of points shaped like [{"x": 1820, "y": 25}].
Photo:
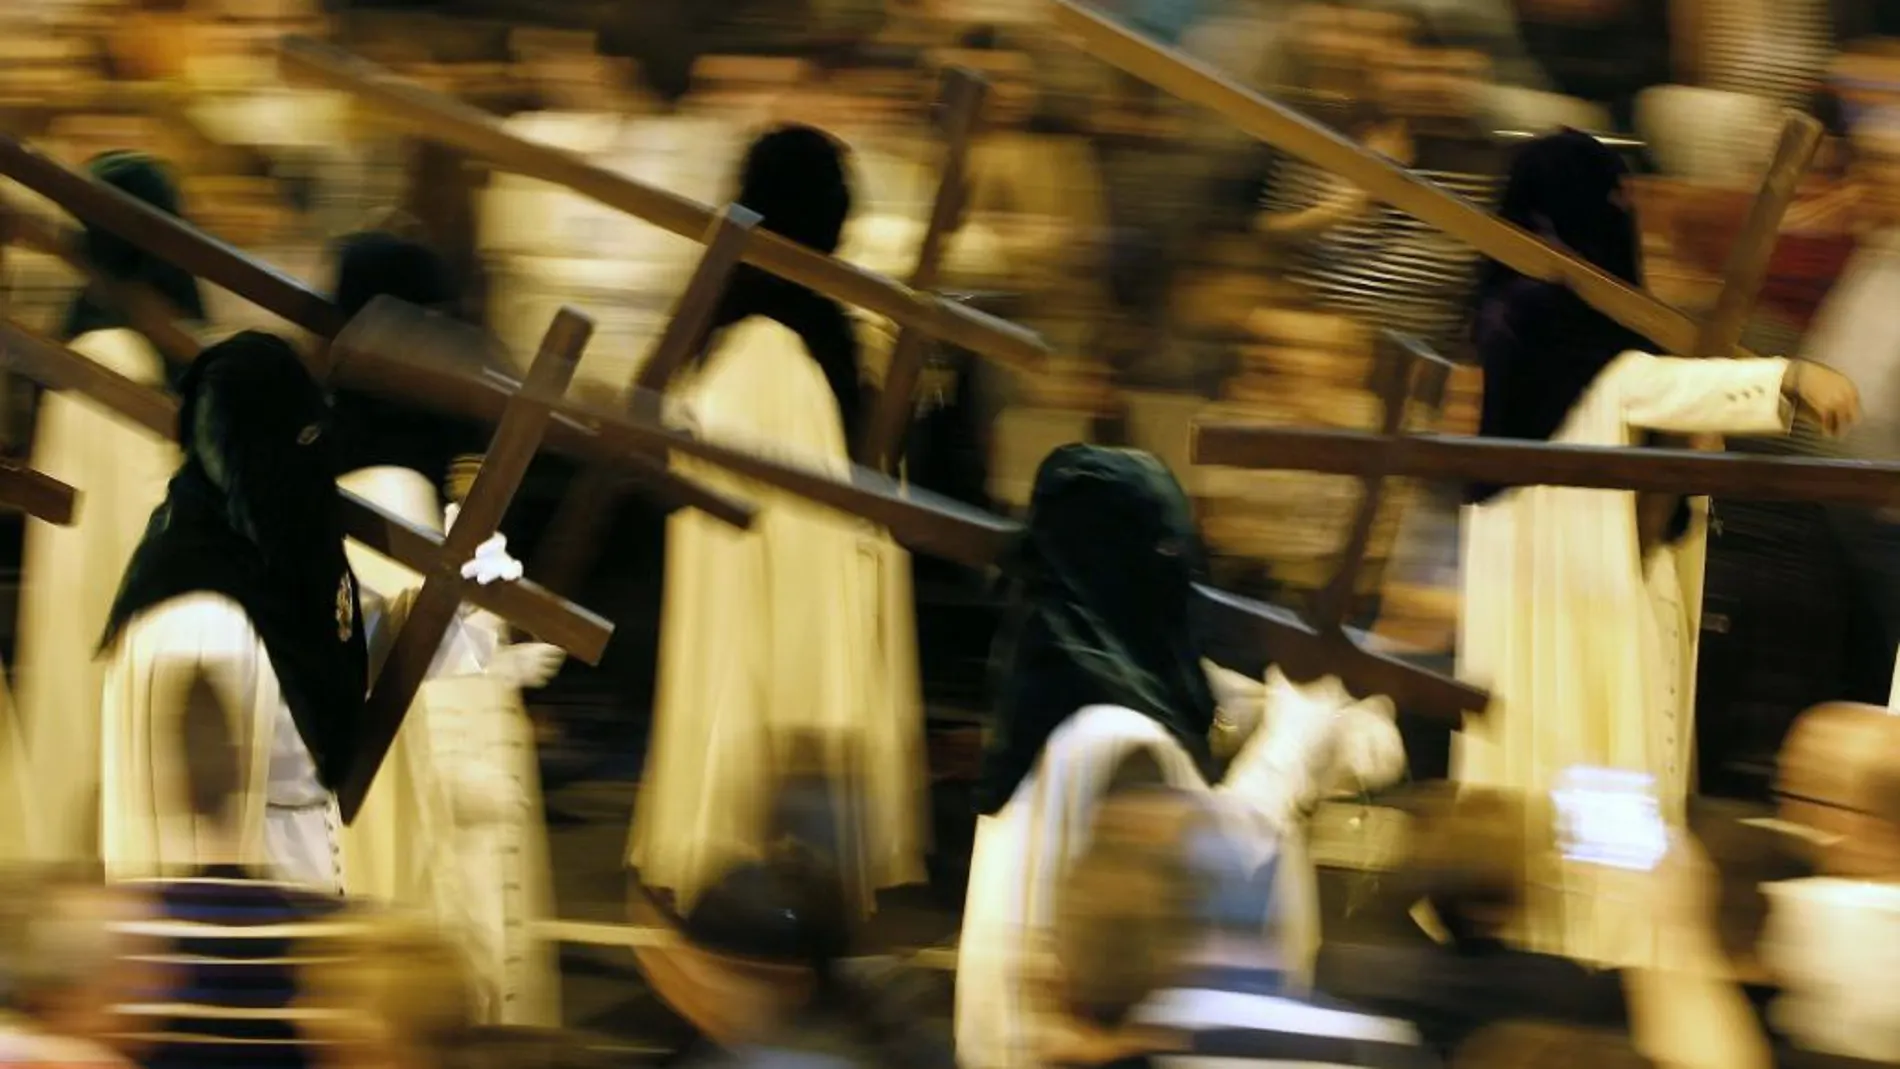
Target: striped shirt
[
  {"x": 229, "y": 989},
  {"x": 1383, "y": 268},
  {"x": 1238, "y": 1017}
]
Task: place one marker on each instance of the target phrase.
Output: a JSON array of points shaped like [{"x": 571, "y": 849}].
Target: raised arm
[{"x": 1758, "y": 396}]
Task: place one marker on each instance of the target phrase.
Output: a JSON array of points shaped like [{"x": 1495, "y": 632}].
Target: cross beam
[
  {"x": 524, "y": 421},
  {"x": 572, "y": 540},
  {"x": 890, "y": 418},
  {"x": 37, "y": 494},
  {"x": 524, "y": 604},
  {"x": 445, "y": 121},
  {"x": 1383, "y": 180},
  {"x": 176, "y": 241}
]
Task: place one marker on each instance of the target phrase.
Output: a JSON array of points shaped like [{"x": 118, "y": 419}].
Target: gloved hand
[
  {"x": 491, "y": 563},
  {"x": 527, "y": 665}
]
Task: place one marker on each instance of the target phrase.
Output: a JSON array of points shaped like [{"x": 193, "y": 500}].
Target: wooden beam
[
  {"x": 1747, "y": 269},
  {"x": 1510, "y": 462},
  {"x": 571, "y": 543},
  {"x": 884, "y": 432},
  {"x": 178, "y": 242},
  {"x": 450, "y": 122},
  {"x": 1181, "y": 75},
  {"x": 528, "y": 606},
  {"x": 397, "y": 350},
  {"x": 37, "y": 494},
  {"x": 516, "y": 440}
]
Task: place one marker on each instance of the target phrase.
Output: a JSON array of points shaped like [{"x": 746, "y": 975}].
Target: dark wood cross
[
  {"x": 171, "y": 239},
  {"x": 572, "y": 541},
  {"x": 890, "y": 418},
  {"x": 433, "y": 117}
]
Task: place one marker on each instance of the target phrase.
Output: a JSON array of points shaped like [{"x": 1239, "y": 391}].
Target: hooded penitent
[
  {"x": 795, "y": 178},
  {"x": 1104, "y": 578},
  {"x": 1540, "y": 344},
  {"x": 372, "y": 431},
  {"x": 253, "y": 515},
  {"x": 146, "y": 179}
]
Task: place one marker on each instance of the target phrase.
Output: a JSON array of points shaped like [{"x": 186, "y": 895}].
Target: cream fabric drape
[
  {"x": 799, "y": 629},
  {"x": 1588, "y": 651},
  {"x": 69, "y": 576}
]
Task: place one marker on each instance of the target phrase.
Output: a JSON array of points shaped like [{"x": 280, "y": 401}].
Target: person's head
[
  {"x": 797, "y": 179},
  {"x": 255, "y": 424},
  {"x": 1126, "y": 908},
  {"x": 1568, "y": 187},
  {"x": 373, "y": 263},
  {"x": 1471, "y": 855},
  {"x": 62, "y": 954},
  {"x": 149, "y": 181},
  {"x": 1839, "y": 776},
  {"x": 398, "y": 994},
  {"x": 1541, "y": 1045},
  {"x": 1105, "y": 569}
]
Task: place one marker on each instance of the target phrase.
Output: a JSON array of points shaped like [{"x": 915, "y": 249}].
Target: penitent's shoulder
[{"x": 200, "y": 626}]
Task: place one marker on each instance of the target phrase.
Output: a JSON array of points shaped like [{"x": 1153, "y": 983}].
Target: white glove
[
  {"x": 527, "y": 665},
  {"x": 492, "y": 563}
]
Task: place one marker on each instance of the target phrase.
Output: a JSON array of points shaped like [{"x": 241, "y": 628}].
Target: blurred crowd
[
  {"x": 1181, "y": 271},
  {"x": 1179, "y": 268}
]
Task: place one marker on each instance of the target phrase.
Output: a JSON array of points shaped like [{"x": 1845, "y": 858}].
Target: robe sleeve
[{"x": 1695, "y": 396}]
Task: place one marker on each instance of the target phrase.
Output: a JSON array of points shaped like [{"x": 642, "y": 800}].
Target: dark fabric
[
  {"x": 372, "y": 431},
  {"x": 1451, "y": 994},
  {"x": 1606, "y": 59},
  {"x": 147, "y": 180},
  {"x": 253, "y": 515},
  {"x": 1540, "y": 345},
  {"x": 1104, "y": 578},
  {"x": 241, "y": 983},
  {"x": 795, "y": 178}
]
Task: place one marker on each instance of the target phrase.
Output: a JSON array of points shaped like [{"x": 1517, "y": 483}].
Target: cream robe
[
  {"x": 1588, "y": 651},
  {"x": 804, "y": 624},
  {"x": 285, "y": 818},
  {"x": 69, "y": 576},
  {"x": 453, "y": 824}
]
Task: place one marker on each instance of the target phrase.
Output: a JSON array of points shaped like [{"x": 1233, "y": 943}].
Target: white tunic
[
  {"x": 453, "y": 823},
  {"x": 801, "y": 626},
  {"x": 285, "y": 818},
  {"x": 69, "y": 576},
  {"x": 1588, "y": 651}
]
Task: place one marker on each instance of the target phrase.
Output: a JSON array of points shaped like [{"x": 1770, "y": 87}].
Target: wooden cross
[
  {"x": 439, "y": 119},
  {"x": 176, "y": 241},
  {"x": 22, "y": 489},
  {"x": 526, "y": 605},
  {"x": 572, "y": 540},
  {"x": 524, "y": 421},
  {"x": 890, "y": 419}
]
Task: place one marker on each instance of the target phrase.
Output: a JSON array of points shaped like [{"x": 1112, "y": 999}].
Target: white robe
[
  {"x": 69, "y": 576},
  {"x": 1588, "y": 651},
  {"x": 285, "y": 818},
  {"x": 804, "y": 624},
  {"x": 453, "y": 823}
]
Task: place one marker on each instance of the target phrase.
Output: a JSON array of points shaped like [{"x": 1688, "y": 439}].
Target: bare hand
[{"x": 1829, "y": 396}]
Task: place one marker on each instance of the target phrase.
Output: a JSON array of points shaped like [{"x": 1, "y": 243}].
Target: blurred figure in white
[
  {"x": 69, "y": 574},
  {"x": 1104, "y": 687},
  {"x": 802, "y": 626},
  {"x": 1831, "y": 942}
]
